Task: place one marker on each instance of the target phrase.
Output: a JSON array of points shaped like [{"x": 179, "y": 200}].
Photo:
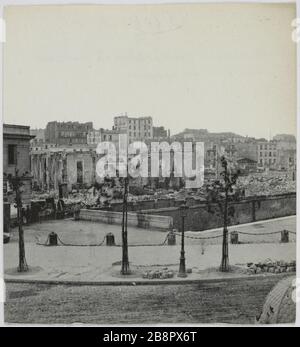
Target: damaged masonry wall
[{"x": 68, "y": 165}]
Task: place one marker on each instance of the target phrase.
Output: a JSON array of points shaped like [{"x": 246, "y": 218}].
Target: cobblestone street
[{"x": 235, "y": 301}]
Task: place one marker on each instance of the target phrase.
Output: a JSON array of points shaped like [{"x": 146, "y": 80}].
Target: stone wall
[
  {"x": 200, "y": 215},
  {"x": 146, "y": 221},
  {"x": 204, "y": 216},
  {"x": 152, "y": 204}
]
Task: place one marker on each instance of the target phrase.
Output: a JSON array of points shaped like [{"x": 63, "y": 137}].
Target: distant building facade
[
  {"x": 140, "y": 128},
  {"x": 267, "y": 154},
  {"x": 67, "y": 133},
  {"x": 73, "y": 166},
  {"x": 96, "y": 136},
  {"x": 16, "y": 147}
]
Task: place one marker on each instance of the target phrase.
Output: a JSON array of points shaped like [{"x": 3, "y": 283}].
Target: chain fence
[{"x": 165, "y": 241}]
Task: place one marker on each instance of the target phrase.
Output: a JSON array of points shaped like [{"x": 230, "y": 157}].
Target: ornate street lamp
[
  {"x": 125, "y": 270},
  {"x": 183, "y": 212},
  {"x": 16, "y": 183}
]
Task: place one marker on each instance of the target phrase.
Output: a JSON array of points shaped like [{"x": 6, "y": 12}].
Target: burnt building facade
[{"x": 67, "y": 133}]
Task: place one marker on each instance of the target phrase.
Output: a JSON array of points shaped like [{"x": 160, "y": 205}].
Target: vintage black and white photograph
[{"x": 149, "y": 164}]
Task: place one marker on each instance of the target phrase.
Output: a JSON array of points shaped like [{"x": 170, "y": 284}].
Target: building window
[
  {"x": 12, "y": 154},
  {"x": 79, "y": 167}
]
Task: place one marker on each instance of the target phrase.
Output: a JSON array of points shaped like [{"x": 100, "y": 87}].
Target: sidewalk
[
  {"x": 102, "y": 264},
  {"x": 94, "y": 264}
]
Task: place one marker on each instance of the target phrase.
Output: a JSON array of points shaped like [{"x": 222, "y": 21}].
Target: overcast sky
[{"x": 221, "y": 67}]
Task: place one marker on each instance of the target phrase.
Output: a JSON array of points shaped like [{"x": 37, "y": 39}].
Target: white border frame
[{"x": 141, "y": 2}]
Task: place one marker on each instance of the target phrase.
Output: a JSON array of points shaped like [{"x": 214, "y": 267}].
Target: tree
[
  {"x": 222, "y": 192},
  {"x": 229, "y": 181},
  {"x": 16, "y": 182}
]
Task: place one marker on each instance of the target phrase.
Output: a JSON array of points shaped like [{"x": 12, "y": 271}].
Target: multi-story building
[
  {"x": 140, "y": 128},
  {"x": 96, "y": 136},
  {"x": 267, "y": 154},
  {"x": 67, "y": 133},
  {"x": 16, "y": 147}
]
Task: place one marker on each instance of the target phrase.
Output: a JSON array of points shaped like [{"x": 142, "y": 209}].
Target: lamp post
[
  {"x": 125, "y": 270},
  {"x": 16, "y": 183},
  {"x": 183, "y": 210}
]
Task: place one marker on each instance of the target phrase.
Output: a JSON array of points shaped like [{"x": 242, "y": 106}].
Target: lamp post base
[
  {"x": 125, "y": 269},
  {"x": 182, "y": 272}
]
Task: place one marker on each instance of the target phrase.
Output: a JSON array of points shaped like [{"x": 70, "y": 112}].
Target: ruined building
[{"x": 67, "y": 133}]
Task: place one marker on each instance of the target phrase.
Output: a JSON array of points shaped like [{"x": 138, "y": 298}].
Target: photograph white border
[{"x": 121, "y": 2}]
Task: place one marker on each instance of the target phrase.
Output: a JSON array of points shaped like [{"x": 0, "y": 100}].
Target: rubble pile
[
  {"x": 164, "y": 273},
  {"x": 267, "y": 184},
  {"x": 271, "y": 267},
  {"x": 158, "y": 274},
  {"x": 257, "y": 184}
]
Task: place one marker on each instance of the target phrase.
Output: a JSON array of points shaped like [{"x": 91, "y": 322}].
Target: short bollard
[
  {"x": 110, "y": 239},
  {"x": 77, "y": 213},
  {"x": 52, "y": 239},
  {"x": 172, "y": 238},
  {"x": 234, "y": 238},
  {"x": 284, "y": 236}
]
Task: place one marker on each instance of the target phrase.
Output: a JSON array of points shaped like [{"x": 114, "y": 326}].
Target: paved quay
[{"x": 102, "y": 264}]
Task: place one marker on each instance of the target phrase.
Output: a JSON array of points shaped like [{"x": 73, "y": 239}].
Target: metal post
[
  {"x": 125, "y": 262},
  {"x": 182, "y": 270},
  {"x": 225, "y": 258},
  {"x": 23, "y": 267}
]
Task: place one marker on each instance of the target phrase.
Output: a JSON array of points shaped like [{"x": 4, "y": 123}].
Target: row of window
[
  {"x": 138, "y": 134},
  {"x": 145, "y": 127},
  {"x": 266, "y": 154},
  {"x": 72, "y": 134},
  {"x": 107, "y": 137},
  {"x": 267, "y": 147},
  {"x": 133, "y": 121},
  {"x": 270, "y": 161}
]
